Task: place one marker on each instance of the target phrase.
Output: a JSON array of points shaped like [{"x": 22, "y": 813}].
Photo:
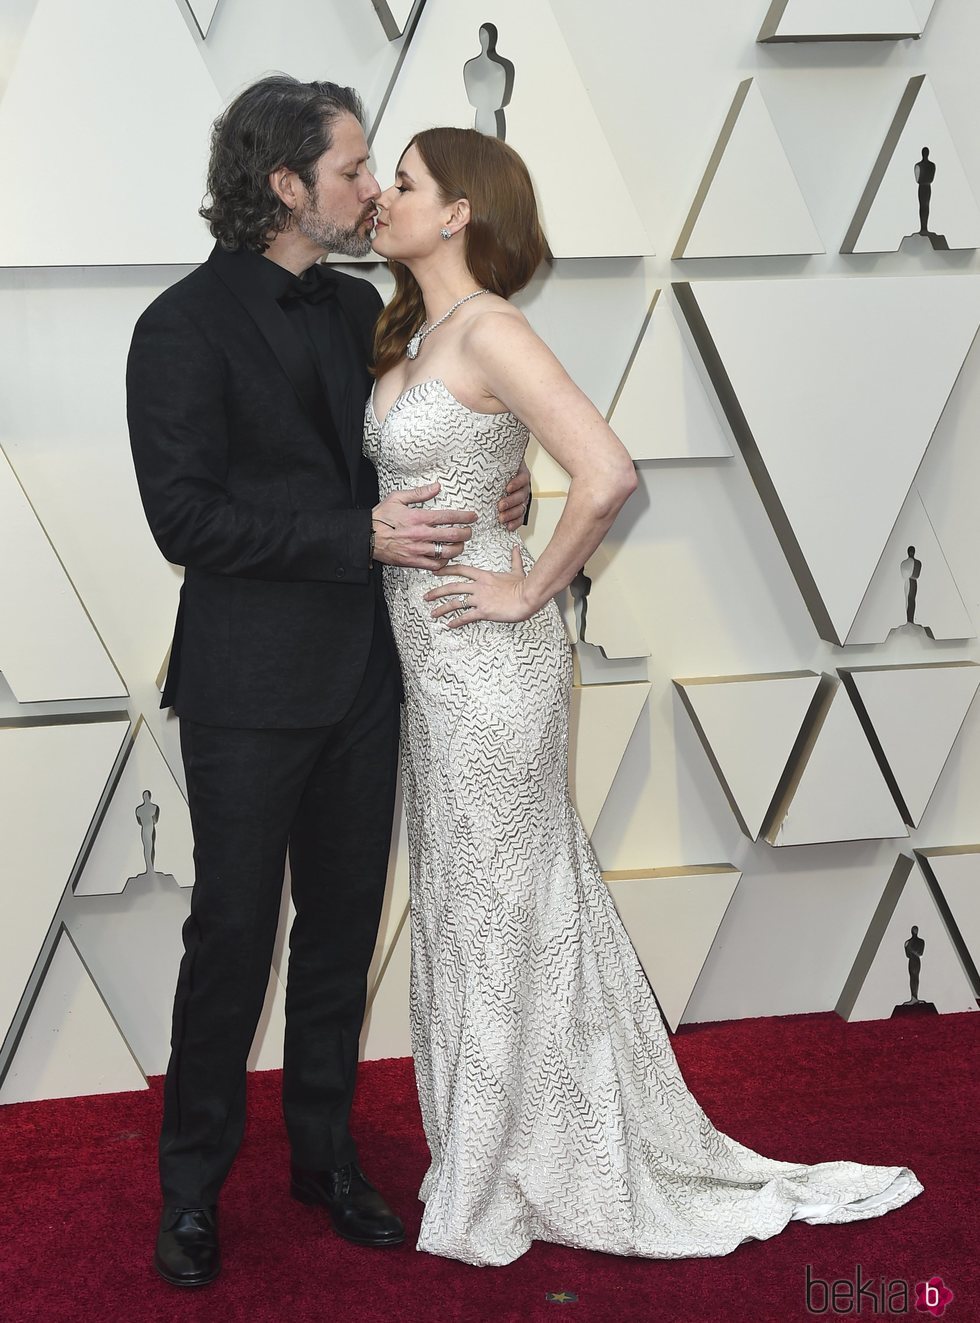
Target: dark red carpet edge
[{"x": 79, "y": 1199}]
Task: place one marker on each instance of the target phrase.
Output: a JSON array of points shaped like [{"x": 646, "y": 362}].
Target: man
[{"x": 247, "y": 382}]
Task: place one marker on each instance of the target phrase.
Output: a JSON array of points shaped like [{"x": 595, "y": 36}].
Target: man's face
[{"x": 338, "y": 213}]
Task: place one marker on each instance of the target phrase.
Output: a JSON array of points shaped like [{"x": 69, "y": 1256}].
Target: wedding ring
[{"x": 437, "y": 550}]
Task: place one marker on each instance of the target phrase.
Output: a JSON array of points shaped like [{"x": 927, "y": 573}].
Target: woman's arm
[{"x": 522, "y": 373}]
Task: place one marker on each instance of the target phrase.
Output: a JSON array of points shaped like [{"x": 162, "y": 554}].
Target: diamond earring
[{"x": 446, "y": 232}]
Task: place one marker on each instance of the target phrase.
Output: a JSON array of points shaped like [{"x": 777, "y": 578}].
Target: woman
[{"x": 552, "y": 1102}]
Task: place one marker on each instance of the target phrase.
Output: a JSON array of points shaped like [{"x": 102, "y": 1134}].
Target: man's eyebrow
[{"x": 355, "y": 160}]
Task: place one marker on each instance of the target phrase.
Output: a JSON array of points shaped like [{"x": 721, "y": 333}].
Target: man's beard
[{"x": 319, "y": 229}]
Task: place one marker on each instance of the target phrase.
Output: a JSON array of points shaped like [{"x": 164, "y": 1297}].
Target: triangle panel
[
  {"x": 839, "y": 793},
  {"x": 871, "y": 358},
  {"x": 844, "y": 20},
  {"x": 934, "y": 606},
  {"x": 202, "y": 12},
  {"x": 881, "y": 979},
  {"x": 915, "y": 713},
  {"x": 672, "y": 917},
  {"x": 749, "y": 203},
  {"x": 662, "y": 409},
  {"x": 749, "y": 725},
  {"x": 888, "y": 215},
  {"x": 134, "y": 828},
  {"x": 602, "y": 721},
  {"x": 49, "y": 648},
  {"x": 51, "y": 781},
  {"x": 953, "y": 876},
  {"x": 71, "y": 1046},
  {"x": 93, "y": 58}
]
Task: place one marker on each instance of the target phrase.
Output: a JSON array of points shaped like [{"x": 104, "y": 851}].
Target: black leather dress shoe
[
  {"x": 187, "y": 1246},
  {"x": 357, "y": 1210}
]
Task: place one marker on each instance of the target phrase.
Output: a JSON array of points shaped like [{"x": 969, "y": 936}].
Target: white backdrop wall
[{"x": 695, "y": 560}]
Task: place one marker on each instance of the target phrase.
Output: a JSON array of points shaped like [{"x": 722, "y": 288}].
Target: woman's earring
[{"x": 446, "y": 232}]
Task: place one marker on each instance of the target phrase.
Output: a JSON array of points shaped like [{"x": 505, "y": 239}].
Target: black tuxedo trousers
[{"x": 325, "y": 794}]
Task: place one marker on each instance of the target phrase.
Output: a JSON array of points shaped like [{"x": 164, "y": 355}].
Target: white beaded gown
[{"x": 552, "y": 1102}]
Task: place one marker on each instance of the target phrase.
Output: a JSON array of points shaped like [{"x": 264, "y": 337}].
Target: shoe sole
[
  {"x": 182, "y": 1281},
  {"x": 301, "y": 1196}
]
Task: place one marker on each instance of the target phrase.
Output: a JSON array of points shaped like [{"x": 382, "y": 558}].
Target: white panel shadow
[
  {"x": 912, "y": 716},
  {"x": 749, "y": 202},
  {"x": 549, "y": 119},
  {"x": 395, "y": 15},
  {"x": 672, "y": 917},
  {"x": 602, "y": 720},
  {"x": 837, "y": 792},
  {"x": 904, "y": 179},
  {"x": 913, "y": 588},
  {"x": 202, "y": 11},
  {"x": 662, "y": 409},
  {"x": 749, "y": 726},
  {"x": 845, "y": 20},
  {"x": 881, "y": 978},
  {"x": 52, "y": 778},
  {"x": 144, "y": 119},
  {"x": 952, "y": 874},
  {"x": 49, "y": 648},
  {"x": 812, "y": 375},
  {"x": 71, "y": 1046},
  {"x": 146, "y": 826}
]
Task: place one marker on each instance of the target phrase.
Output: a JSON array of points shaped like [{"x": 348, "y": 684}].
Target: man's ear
[{"x": 285, "y": 183}]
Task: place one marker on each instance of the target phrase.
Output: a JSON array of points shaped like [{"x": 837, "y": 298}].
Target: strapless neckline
[{"x": 420, "y": 385}]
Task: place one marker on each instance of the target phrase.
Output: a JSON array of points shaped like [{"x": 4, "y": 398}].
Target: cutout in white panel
[
  {"x": 146, "y": 828},
  {"x": 548, "y": 117},
  {"x": 872, "y": 358},
  {"x": 838, "y": 792},
  {"x": 602, "y": 722},
  {"x": 131, "y": 944},
  {"x": 749, "y": 203},
  {"x": 49, "y": 648},
  {"x": 662, "y": 409},
  {"x": 895, "y": 967},
  {"x": 912, "y": 716},
  {"x": 913, "y": 588},
  {"x": 153, "y": 114},
  {"x": 202, "y": 12},
  {"x": 845, "y": 20},
  {"x": 953, "y": 876},
  {"x": 672, "y": 916},
  {"x": 608, "y": 619},
  {"x": 918, "y": 194},
  {"x": 51, "y": 781},
  {"x": 749, "y": 725},
  {"x": 71, "y": 1046}
]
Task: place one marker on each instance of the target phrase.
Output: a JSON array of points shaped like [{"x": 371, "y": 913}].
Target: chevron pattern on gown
[{"x": 553, "y": 1104}]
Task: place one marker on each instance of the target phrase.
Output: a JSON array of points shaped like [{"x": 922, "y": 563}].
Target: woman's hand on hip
[{"x": 483, "y": 594}]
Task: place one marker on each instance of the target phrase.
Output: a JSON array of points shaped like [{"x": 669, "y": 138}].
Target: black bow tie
[{"x": 313, "y": 286}]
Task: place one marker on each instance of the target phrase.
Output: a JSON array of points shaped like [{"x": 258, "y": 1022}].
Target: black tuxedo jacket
[{"x": 249, "y": 482}]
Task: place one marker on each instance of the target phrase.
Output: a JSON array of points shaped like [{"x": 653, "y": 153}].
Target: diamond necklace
[{"x": 415, "y": 344}]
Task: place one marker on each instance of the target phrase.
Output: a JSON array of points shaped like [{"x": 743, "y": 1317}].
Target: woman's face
[{"x": 410, "y": 212}]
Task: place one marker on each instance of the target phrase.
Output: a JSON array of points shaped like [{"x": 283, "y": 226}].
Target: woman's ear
[{"x": 459, "y": 217}]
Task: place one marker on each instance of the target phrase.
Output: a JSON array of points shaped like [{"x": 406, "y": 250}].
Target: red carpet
[{"x": 78, "y": 1189}]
